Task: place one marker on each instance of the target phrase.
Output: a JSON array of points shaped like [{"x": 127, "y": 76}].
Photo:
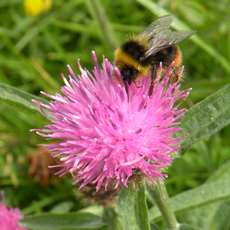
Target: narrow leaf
[
  {"x": 132, "y": 208},
  {"x": 112, "y": 219},
  {"x": 153, "y": 226},
  {"x": 62, "y": 207},
  {"x": 222, "y": 173},
  {"x": 41, "y": 204},
  {"x": 206, "y": 217},
  {"x": 185, "y": 227},
  {"x": 22, "y": 100},
  {"x": 205, "y": 118},
  {"x": 197, "y": 197},
  {"x": 221, "y": 220},
  {"x": 60, "y": 221}
]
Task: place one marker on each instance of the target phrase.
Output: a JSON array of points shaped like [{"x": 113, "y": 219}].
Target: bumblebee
[{"x": 141, "y": 55}]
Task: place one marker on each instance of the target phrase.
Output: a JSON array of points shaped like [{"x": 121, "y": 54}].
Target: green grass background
[{"x": 34, "y": 51}]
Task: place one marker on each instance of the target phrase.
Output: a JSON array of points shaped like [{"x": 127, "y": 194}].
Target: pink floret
[{"x": 9, "y": 217}]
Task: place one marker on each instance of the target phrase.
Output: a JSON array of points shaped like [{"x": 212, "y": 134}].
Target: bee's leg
[
  {"x": 127, "y": 89},
  {"x": 138, "y": 86},
  {"x": 176, "y": 75},
  {"x": 134, "y": 78},
  {"x": 152, "y": 77}
]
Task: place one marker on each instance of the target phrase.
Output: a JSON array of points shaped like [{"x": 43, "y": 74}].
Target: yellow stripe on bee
[{"x": 123, "y": 57}]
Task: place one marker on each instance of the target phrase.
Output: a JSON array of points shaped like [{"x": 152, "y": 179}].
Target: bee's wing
[
  {"x": 159, "y": 25},
  {"x": 165, "y": 39},
  {"x": 178, "y": 36}
]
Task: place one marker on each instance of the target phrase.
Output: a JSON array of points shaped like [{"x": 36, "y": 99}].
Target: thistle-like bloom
[
  {"x": 9, "y": 218},
  {"x": 104, "y": 135}
]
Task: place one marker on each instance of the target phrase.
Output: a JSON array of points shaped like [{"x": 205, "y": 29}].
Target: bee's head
[{"x": 128, "y": 74}]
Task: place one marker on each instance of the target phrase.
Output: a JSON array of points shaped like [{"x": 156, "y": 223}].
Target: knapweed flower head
[
  {"x": 9, "y": 217},
  {"x": 35, "y": 7},
  {"x": 104, "y": 135}
]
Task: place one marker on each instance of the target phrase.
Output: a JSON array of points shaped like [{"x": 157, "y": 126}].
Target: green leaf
[
  {"x": 38, "y": 205},
  {"x": 205, "y": 118},
  {"x": 93, "y": 209},
  {"x": 62, "y": 207},
  {"x": 153, "y": 226},
  {"x": 185, "y": 227},
  {"x": 197, "y": 197},
  {"x": 112, "y": 219},
  {"x": 60, "y": 221},
  {"x": 221, "y": 220},
  {"x": 200, "y": 218},
  {"x": 203, "y": 218},
  {"x": 222, "y": 173},
  {"x": 22, "y": 100},
  {"x": 132, "y": 208}
]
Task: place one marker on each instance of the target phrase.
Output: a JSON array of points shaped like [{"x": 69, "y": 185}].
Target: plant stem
[
  {"x": 161, "y": 199},
  {"x": 100, "y": 16}
]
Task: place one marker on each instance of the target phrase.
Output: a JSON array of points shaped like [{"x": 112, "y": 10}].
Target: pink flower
[
  {"x": 103, "y": 135},
  {"x": 9, "y": 218}
]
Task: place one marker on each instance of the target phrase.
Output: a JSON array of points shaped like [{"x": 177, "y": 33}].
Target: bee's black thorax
[
  {"x": 134, "y": 49},
  {"x": 166, "y": 56}
]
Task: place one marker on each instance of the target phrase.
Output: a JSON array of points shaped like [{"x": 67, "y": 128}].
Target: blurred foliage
[{"x": 34, "y": 51}]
